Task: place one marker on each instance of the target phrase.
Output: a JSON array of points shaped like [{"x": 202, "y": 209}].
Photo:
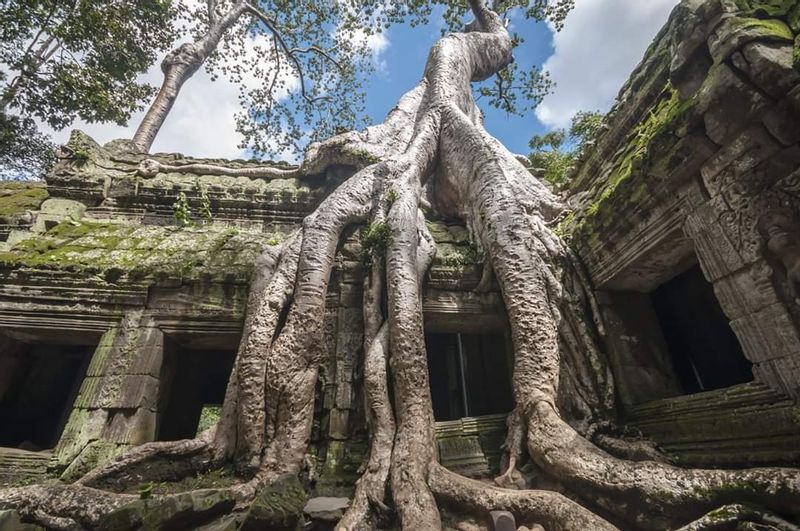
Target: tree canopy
[
  {"x": 555, "y": 152},
  {"x": 64, "y": 60}
]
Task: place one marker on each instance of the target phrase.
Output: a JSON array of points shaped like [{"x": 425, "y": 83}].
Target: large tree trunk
[
  {"x": 178, "y": 66},
  {"x": 433, "y": 142}
]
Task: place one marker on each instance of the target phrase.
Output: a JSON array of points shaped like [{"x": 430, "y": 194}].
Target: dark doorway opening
[
  {"x": 38, "y": 386},
  {"x": 192, "y": 379},
  {"x": 469, "y": 375},
  {"x": 703, "y": 347}
]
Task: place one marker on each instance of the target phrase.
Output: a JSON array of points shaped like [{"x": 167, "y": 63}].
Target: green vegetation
[
  {"x": 181, "y": 211},
  {"x": 556, "y": 152},
  {"x": 67, "y": 60},
  {"x": 131, "y": 252},
  {"x": 18, "y": 197},
  {"x": 375, "y": 238}
]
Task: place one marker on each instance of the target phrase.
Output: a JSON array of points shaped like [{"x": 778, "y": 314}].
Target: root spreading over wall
[{"x": 432, "y": 149}]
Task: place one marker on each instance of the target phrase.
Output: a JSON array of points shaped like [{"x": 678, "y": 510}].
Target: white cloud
[
  {"x": 602, "y": 41},
  {"x": 202, "y": 121}
]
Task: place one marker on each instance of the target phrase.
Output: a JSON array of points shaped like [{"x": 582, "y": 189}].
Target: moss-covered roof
[
  {"x": 17, "y": 197},
  {"x": 141, "y": 251}
]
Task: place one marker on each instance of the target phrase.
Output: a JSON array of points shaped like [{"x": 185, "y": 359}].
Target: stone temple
[{"x": 122, "y": 296}]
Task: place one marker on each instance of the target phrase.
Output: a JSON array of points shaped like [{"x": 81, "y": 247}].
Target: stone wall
[
  {"x": 100, "y": 257},
  {"x": 699, "y": 161}
]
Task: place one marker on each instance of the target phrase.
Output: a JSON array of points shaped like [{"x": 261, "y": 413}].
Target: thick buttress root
[{"x": 432, "y": 141}]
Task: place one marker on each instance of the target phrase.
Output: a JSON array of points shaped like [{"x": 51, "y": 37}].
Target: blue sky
[{"x": 589, "y": 60}]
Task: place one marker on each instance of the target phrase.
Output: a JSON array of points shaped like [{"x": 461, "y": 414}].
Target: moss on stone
[
  {"x": 18, "y": 197},
  {"x": 767, "y": 28},
  {"x": 140, "y": 251},
  {"x": 279, "y": 505},
  {"x": 647, "y": 150}
]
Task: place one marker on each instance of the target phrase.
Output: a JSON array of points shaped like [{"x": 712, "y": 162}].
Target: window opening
[
  {"x": 469, "y": 375},
  {"x": 38, "y": 388},
  {"x": 705, "y": 352},
  {"x": 194, "y": 383}
]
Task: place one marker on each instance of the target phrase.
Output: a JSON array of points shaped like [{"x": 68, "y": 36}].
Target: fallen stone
[
  {"x": 503, "y": 521},
  {"x": 326, "y": 508},
  {"x": 9, "y": 520}
]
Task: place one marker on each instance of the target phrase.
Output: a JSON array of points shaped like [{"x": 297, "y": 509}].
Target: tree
[
  {"x": 74, "y": 59},
  {"x": 556, "y": 152},
  {"x": 433, "y": 141},
  {"x": 324, "y": 47}
]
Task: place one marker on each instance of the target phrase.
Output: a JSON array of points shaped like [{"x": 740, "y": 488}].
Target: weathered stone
[
  {"x": 503, "y": 521},
  {"x": 734, "y": 32},
  {"x": 728, "y": 103},
  {"x": 325, "y": 508},
  {"x": 9, "y": 521},
  {"x": 783, "y": 123},
  {"x": 278, "y": 506},
  {"x": 769, "y": 66},
  {"x": 179, "y": 511}
]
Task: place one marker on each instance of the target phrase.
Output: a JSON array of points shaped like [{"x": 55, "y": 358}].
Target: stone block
[
  {"x": 768, "y": 334},
  {"x": 344, "y": 395},
  {"x": 503, "y": 521},
  {"x": 277, "y": 506},
  {"x": 769, "y": 66},
  {"x": 734, "y": 32},
  {"x": 9, "y": 521},
  {"x": 126, "y": 391},
  {"x": 83, "y": 427},
  {"x": 782, "y": 374},
  {"x": 130, "y": 426},
  {"x": 717, "y": 255},
  {"x": 738, "y": 158},
  {"x": 339, "y": 424},
  {"x": 783, "y": 122},
  {"x": 63, "y": 208},
  {"x": 746, "y": 291},
  {"x": 150, "y": 351},
  {"x": 325, "y": 508},
  {"x": 100, "y": 357},
  {"x": 94, "y": 454}
]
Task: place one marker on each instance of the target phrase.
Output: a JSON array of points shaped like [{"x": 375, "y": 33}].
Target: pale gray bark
[
  {"x": 434, "y": 141},
  {"x": 178, "y": 66}
]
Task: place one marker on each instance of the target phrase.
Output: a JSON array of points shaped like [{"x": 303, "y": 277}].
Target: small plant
[
  {"x": 146, "y": 491},
  {"x": 205, "y": 206},
  {"x": 391, "y": 196},
  {"x": 80, "y": 155},
  {"x": 375, "y": 238},
  {"x": 181, "y": 211}
]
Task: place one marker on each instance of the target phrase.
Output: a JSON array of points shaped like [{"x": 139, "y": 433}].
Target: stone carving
[{"x": 783, "y": 242}]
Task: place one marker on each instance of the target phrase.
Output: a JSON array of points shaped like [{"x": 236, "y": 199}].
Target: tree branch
[{"x": 272, "y": 26}]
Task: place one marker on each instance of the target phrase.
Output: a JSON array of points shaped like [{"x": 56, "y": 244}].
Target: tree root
[
  {"x": 149, "y": 168},
  {"x": 735, "y": 515},
  {"x": 433, "y": 142},
  {"x": 550, "y": 509}
]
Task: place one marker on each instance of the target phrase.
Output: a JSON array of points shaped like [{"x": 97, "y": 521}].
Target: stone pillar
[
  {"x": 743, "y": 184},
  {"x": 117, "y": 403}
]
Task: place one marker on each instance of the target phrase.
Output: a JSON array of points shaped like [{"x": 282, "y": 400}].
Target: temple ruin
[{"x": 123, "y": 295}]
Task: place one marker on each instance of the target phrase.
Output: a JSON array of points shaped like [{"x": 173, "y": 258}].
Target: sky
[{"x": 589, "y": 60}]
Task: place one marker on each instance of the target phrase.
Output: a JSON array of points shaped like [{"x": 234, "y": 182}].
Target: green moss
[
  {"x": 18, "y": 197},
  {"x": 375, "y": 238},
  {"x": 139, "y": 252},
  {"x": 363, "y": 156},
  {"x": 769, "y": 28},
  {"x": 456, "y": 255},
  {"x": 770, "y": 8},
  {"x": 646, "y": 151},
  {"x": 796, "y": 54},
  {"x": 279, "y": 504}
]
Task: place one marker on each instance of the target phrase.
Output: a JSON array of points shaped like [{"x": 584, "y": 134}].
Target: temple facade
[{"x": 123, "y": 295}]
